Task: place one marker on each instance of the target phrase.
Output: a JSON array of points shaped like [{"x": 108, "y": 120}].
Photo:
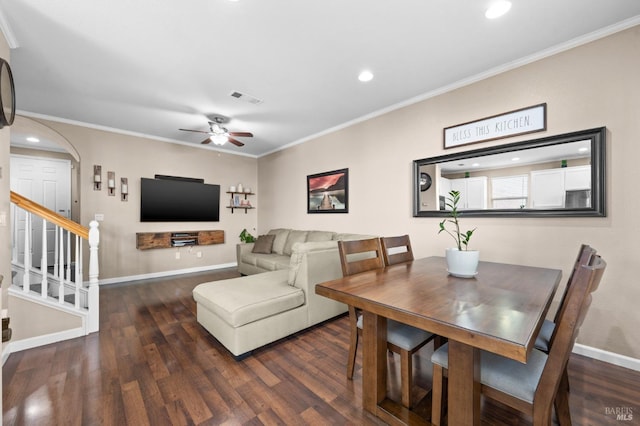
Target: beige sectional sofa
[{"x": 277, "y": 297}]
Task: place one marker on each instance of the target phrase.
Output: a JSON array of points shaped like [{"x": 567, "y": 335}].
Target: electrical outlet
[
  {"x": 199, "y": 254},
  {"x": 177, "y": 255}
]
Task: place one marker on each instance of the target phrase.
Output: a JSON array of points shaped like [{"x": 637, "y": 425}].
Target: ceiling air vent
[{"x": 246, "y": 98}]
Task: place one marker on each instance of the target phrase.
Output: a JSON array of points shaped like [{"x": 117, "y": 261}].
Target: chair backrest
[
  {"x": 396, "y": 249},
  {"x": 585, "y": 254},
  {"x": 360, "y": 255},
  {"x": 584, "y": 280}
]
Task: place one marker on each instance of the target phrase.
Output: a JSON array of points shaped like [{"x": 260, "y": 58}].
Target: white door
[
  {"x": 47, "y": 181},
  {"x": 577, "y": 178},
  {"x": 547, "y": 189},
  {"x": 473, "y": 192},
  {"x": 476, "y": 193}
]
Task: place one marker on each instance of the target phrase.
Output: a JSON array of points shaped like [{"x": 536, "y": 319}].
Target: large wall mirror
[{"x": 560, "y": 175}]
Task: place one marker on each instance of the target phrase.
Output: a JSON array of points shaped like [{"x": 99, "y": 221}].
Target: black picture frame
[
  {"x": 328, "y": 192},
  {"x": 597, "y": 140}
]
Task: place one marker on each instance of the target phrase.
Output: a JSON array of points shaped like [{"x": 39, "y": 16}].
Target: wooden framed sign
[{"x": 519, "y": 122}]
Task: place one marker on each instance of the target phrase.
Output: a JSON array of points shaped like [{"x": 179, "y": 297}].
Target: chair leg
[
  {"x": 561, "y": 401},
  {"x": 351, "y": 361},
  {"x": 406, "y": 377},
  {"x": 438, "y": 396}
]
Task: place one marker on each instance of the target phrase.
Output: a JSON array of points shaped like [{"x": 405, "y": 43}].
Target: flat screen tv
[{"x": 178, "y": 200}]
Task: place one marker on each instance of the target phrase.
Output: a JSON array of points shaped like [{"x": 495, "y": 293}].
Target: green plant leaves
[
  {"x": 246, "y": 237},
  {"x": 461, "y": 238}
]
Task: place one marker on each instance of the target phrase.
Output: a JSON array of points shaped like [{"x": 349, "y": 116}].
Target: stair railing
[{"x": 67, "y": 272}]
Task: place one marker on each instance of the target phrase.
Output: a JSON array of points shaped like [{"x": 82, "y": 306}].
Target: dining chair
[
  {"x": 541, "y": 384},
  {"x": 365, "y": 255},
  {"x": 548, "y": 327},
  {"x": 396, "y": 249}
]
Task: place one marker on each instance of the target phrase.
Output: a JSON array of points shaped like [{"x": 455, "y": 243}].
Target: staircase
[{"x": 60, "y": 284}]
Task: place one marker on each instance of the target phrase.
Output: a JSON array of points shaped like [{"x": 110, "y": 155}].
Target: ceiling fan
[{"x": 219, "y": 135}]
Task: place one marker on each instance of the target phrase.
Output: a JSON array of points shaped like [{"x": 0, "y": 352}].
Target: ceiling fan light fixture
[{"x": 219, "y": 139}]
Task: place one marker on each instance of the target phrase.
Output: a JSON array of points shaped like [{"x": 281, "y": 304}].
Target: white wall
[{"x": 593, "y": 85}]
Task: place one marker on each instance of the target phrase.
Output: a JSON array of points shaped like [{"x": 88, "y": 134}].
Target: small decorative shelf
[{"x": 235, "y": 202}]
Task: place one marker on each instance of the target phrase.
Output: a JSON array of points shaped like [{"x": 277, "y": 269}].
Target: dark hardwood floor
[{"x": 152, "y": 364}]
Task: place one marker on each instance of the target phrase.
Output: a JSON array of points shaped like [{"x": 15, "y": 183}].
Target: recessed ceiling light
[
  {"x": 515, "y": 159},
  {"x": 583, "y": 149},
  {"x": 33, "y": 139},
  {"x": 497, "y": 9},
  {"x": 365, "y": 76},
  {"x": 475, "y": 165}
]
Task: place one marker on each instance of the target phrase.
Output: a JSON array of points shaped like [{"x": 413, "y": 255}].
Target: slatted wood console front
[{"x": 153, "y": 240}]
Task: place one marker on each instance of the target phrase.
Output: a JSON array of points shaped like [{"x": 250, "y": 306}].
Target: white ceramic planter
[{"x": 462, "y": 263}]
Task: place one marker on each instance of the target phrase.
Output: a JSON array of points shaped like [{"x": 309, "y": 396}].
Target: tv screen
[{"x": 178, "y": 200}]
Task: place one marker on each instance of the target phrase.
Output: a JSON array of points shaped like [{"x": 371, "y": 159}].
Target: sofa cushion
[
  {"x": 280, "y": 240},
  {"x": 240, "y": 301},
  {"x": 348, "y": 237},
  {"x": 317, "y": 236},
  {"x": 263, "y": 244},
  {"x": 300, "y": 250},
  {"x": 292, "y": 238},
  {"x": 272, "y": 262}
]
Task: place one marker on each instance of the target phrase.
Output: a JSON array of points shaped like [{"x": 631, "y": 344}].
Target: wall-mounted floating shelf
[
  {"x": 152, "y": 240},
  {"x": 237, "y": 201}
]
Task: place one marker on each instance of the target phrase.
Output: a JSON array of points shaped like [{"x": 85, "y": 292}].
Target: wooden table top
[{"x": 500, "y": 310}]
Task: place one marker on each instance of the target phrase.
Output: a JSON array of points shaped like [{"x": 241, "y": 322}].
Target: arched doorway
[
  {"x": 51, "y": 144},
  {"x": 44, "y": 168}
]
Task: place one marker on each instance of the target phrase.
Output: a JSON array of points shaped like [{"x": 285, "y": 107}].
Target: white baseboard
[
  {"x": 162, "y": 274},
  {"x": 34, "y": 342},
  {"x": 606, "y": 356},
  {"x": 5, "y": 353}
]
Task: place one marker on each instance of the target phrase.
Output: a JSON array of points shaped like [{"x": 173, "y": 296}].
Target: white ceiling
[{"x": 150, "y": 67}]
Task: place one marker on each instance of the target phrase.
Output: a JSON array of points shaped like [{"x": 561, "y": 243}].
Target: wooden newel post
[{"x": 94, "y": 270}]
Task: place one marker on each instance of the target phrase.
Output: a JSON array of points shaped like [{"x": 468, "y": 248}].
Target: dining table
[{"x": 500, "y": 309}]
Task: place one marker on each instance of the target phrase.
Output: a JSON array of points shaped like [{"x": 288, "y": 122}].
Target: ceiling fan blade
[
  {"x": 235, "y": 141},
  {"x": 197, "y": 131},
  {"x": 243, "y": 134},
  {"x": 207, "y": 140}
]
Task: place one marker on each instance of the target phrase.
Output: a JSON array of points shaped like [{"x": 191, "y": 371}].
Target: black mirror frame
[{"x": 598, "y": 174}]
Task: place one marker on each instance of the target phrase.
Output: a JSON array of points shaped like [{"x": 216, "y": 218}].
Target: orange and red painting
[{"x": 328, "y": 192}]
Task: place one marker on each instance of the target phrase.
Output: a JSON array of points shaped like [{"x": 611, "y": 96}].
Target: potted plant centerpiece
[{"x": 461, "y": 262}]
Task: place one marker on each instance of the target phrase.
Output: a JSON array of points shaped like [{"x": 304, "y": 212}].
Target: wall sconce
[
  {"x": 97, "y": 177},
  {"x": 124, "y": 189},
  {"x": 111, "y": 183}
]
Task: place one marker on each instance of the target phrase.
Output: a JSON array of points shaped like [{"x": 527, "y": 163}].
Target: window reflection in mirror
[{"x": 555, "y": 176}]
